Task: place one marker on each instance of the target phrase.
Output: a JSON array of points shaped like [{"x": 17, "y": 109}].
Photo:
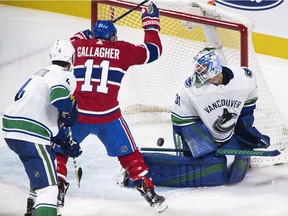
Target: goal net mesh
[{"x": 148, "y": 91}]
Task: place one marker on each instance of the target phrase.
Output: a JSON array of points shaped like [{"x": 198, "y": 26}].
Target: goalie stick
[
  {"x": 271, "y": 153},
  {"x": 129, "y": 11}
]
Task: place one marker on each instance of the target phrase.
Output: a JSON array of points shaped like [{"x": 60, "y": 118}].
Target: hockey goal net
[{"x": 148, "y": 91}]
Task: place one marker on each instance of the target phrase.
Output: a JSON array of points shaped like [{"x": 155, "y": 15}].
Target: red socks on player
[{"x": 136, "y": 168}]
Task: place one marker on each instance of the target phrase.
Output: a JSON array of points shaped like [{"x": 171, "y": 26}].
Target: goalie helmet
[
  {"x": 104, "y": 29},
  {"x": 62, "y": 50},
  {"x": 207, "y": 65}
]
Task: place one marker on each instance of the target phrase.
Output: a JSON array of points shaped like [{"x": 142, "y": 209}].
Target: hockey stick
[
  {"x": 220, "y": 151},
  {"x": 78, "y": 171},
  {"x": 129, "y": 11}
]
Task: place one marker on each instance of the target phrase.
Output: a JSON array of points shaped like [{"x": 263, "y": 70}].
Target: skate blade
[{"x": 161, "y": 207}]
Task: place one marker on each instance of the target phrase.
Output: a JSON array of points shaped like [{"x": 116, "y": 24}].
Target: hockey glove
[
  {"x": 73, "y": 149},
  {"x": 86, "y": 35},
  {"x": 252, "y": 138},
  {"x": 249, "y": 136},
  {"x": 62, "y": 137},
  {"x": 150, "y": 18},
  {"x": 66, "y": 142},
  {"x": 68, "y": 119}
]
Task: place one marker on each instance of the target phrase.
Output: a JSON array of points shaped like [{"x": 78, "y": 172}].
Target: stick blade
[{"x": 78, "y": 173}]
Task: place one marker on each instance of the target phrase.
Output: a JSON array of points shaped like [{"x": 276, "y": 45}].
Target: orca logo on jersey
[{"x": 222, "y": 120}]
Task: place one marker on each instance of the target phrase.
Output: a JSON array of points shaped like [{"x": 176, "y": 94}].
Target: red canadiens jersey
[{"x": 99, "y": 68}]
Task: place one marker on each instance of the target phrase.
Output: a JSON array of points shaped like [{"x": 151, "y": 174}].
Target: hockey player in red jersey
[{"x": 100, "y": 64}]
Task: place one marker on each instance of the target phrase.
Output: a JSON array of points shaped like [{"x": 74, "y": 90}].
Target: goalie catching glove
[
  {"x": 69, "y": 146},
  {"x": 150, "y": 18},
  {"x": 248, "y": 136}
]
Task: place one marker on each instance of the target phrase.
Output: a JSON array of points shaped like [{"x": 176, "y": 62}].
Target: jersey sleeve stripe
[
  {"x": 181, "y": 120},
  {"x": 60, "y": 98},
  {"x": 251, "y": 102},
  {"x": 154, "y": 52}
]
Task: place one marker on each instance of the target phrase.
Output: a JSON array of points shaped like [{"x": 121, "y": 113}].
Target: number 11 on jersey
[{"x": 102, "y": 87}]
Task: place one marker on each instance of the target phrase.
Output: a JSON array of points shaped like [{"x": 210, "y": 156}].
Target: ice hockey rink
[{"x": 26, "y": 36}]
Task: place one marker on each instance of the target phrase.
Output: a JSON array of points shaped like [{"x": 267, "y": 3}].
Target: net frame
[{"x": 246, "y": 55}]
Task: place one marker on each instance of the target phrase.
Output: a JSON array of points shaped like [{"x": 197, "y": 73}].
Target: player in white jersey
[
  {"x": 31, "y": 123},
  {"x": 222, "y": 98},
  {"x": 214, "y": 108}
]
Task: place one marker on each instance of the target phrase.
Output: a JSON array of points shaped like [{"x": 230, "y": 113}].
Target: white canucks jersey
[
  {"x": 217, "y": 106},
  {"x": 32, "y": 117}
]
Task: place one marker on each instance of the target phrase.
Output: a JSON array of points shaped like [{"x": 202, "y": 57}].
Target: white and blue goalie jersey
[{"x": 218, "y": 106}]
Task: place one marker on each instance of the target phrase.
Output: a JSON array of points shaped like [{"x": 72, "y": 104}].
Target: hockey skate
[
  {"x": 123, "y": 177},
  {"x": 154, "y": 200},
  {"x": 63, "y": 187},
  {"x": 30, "y": 207}
]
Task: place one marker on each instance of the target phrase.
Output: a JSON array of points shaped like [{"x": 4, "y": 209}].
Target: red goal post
[
  {"x": 181, "y": 16},
  {"x": 147, "y": 91}
]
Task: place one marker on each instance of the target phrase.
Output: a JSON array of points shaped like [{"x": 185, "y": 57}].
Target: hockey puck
[{"x": 160, "y": 141}]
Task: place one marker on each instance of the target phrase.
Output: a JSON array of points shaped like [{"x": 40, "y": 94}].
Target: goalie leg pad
[
  {"x": 180, "y": 143},
  {"x": 174, "y": 171},
  {"x": 238, "y": 169},
  {"x": 198, "y": 139}
]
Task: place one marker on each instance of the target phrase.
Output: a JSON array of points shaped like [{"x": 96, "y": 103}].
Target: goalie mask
[
  {"x": 63, "y": 50},
  {"x": 207, "y": 64},
  {"x": 105, "y": 29}
]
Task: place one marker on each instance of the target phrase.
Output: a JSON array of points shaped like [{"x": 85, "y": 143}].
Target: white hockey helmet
[
  {"x": 62, "y": 50},
  {"x": 207, "y": 64}
]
